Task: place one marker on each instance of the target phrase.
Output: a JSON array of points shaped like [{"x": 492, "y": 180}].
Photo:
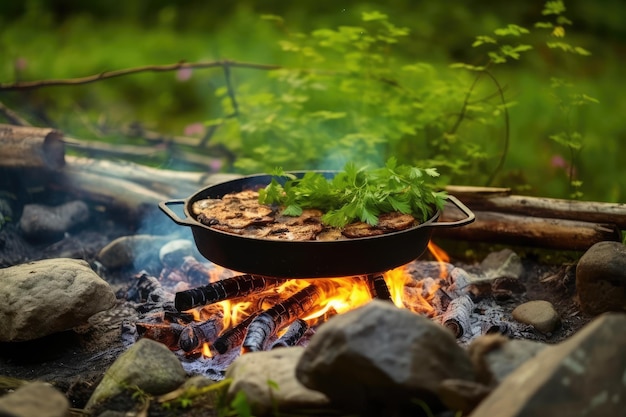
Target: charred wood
[
  {"x": 292, "y": 335},
  {"x": 378, "y": 287},
  {"x": 145, "y": 288},
  {"x": 225, "y": 289},
  {"x": 265, "y": 325},
  {"x": 195, "y": 334},
  {"x": 457, "y": 315},
  {"x": 232, "y": 337},
  {"x": 166, "y": 333}
]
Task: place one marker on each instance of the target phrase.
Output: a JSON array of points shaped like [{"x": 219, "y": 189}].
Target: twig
[
  {"x": 30, "y": 85},
  {"x": 13, "y": 117}
]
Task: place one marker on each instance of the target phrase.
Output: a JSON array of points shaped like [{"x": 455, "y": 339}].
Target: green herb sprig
[{"x": 358, "y": 193}]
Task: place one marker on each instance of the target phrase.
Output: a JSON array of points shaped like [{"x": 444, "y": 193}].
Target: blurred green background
[{"x": 64, "y": 39}]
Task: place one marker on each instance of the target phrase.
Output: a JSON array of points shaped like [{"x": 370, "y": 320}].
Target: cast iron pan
[{"x": 304, "y": 259}]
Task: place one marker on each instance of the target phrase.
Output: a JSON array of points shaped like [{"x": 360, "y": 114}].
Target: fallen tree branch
[
  {"x": 31, "y": 147},
  {"x": 30, "y": 85},
  {"x": 502, "y": 201}
]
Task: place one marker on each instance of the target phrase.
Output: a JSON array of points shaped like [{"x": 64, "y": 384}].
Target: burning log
[
  {"x": 31, "y": 147},
  {"x": 195, "y": 334},
  {"x": 233, "y": 337},
  {"x": 294, "y": 333},
  {"x": 225, "y": 289},
  {"x": 166, "y": 333},
  {"x": 378, "y": 287},
  {"x": 265, "y": 325},
  {"x": 457, "y": 315}
]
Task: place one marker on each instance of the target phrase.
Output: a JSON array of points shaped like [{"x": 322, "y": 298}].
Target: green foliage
[{"x": 359, "y": 193}]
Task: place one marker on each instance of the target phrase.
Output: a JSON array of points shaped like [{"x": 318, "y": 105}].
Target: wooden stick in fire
[
  {"x": 225, "y": 289},
  {"x": 265, "y": 325},
  {"x": 195, "y": 334},
  {"x": 294, "y": 333},
  {"x": 378, "y": 287},
  {"x": 457, "y": 315},
  {"x": 233, "y": 336}
]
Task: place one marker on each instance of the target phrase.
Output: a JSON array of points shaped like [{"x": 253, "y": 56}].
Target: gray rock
[
  {"x": 539, "y": 314},
  {"x": 44, "y": 297},
  {"x": 377, "y": 357},
  {"x": 126, "y": 250},
  {"x": 172, "y": 254},
  {"x": 253, "y": 373},
  {"x": 504, "y": 263},
  {"x": 147, "y": 365},
  {"x": 495, "y": 356},
  {"x": 47, "y": 222},
  {"x": 582, "y": 376},
  {"x": 35, "y": 399},
  {"x": 601, "y": 278}
]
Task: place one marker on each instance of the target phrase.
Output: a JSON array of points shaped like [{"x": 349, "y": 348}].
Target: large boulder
[
  {"x": 49, "y": 296},
  {"x": 378, "y": 358}
]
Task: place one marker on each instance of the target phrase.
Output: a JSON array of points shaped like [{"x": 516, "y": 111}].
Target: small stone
[
  {"x": 127, "y": 250},
  {"x": 462, "y": 395},
  {"x": 35, "y": 399},
  {"x": 147, "y": 365},
  {"x": 504, "y": 263},
  {"x": 172, "y": 254},
  {"x": 601, "y": 278},
  {"x": 539, "y": 314},
  {"x": 47, "y": 222},
  {"x": 268, "y": 380}
]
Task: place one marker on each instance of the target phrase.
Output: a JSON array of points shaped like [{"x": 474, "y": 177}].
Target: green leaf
[{"x": 372, "y": 16}]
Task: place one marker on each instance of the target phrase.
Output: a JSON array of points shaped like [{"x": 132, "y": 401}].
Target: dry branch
[
  {"x": 30, "y": 85},
  {"x": 31, "y": 147}
]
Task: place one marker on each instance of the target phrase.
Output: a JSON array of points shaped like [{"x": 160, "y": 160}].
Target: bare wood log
[
  {"x": 195, "y": 334},
  {"x": 225, "y": 289},
  {"x": 292, "y": 336},
  {"x": 500, "y": 200},
  {"x": 232, "y": 337},
  {"x": 170, "y": 183},
  {"x": 457, "y": 315},
  {"x": 31, "y": 147},
  {"x": 547, "y": 233},
  {"x": 265, "y": 325}
]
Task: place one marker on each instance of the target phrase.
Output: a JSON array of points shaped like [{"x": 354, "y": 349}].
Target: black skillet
[{"x": 304, "y": 259}]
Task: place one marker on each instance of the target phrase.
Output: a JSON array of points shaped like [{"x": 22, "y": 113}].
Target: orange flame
[{"x": 440, "y": 256}]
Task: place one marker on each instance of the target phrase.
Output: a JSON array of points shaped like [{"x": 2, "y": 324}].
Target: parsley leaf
[{"x": 358, "y": 193}]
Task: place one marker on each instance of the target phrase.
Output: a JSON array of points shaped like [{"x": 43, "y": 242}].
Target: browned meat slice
[
  {"x": 361, "y": 229},
  {"x": 237, "y": 211},
  {"x": 387, "y": 222},
  {"x": 392, "y": 222},
  {"x": 306, "y": 231},
  {"x": 330, "y": 234}
]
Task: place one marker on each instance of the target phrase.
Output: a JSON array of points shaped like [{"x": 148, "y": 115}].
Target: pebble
[
  {"x": 539, "y": 314},
  {"x": 52, "y": 222},
  {"x": 601, "y": 278}
]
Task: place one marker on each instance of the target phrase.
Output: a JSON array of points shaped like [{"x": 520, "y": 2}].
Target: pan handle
[
  {"x": 469, "y": 219},
  {"x": 164, "y": 206}
]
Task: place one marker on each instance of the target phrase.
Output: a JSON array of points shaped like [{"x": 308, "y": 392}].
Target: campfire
[{"x": 209, "y": 325}]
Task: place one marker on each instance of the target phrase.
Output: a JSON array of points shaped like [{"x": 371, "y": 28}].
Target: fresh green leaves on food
[{"x": 358, "y": 193}]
